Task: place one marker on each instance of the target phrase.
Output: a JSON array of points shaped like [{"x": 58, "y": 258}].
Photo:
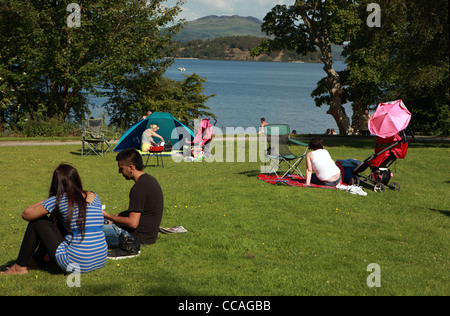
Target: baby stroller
[
  {"x": 200, "y": 146},
  {"x": 392, "y": 144},
  {"x": 387, "y": 150}
]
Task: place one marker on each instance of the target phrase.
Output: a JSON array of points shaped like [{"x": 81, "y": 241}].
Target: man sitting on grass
[{"x": 140, "y": 223}]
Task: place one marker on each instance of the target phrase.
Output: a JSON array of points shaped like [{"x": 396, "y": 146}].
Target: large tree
[
  {"x": 183, "y": 99},
  {"x": 310, "y": 25},
  {"x": 406, "y": 57},
  {"x": 48, "y": 63}
]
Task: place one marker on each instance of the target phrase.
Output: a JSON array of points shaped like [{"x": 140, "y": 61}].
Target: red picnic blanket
[{"x": 291, "y": 180}]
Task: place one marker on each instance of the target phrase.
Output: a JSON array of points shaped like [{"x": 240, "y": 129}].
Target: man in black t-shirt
[{"x": 142, "y": 219}]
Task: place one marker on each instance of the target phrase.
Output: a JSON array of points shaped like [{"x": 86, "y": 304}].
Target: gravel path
[{"x": 59, "y": 143}]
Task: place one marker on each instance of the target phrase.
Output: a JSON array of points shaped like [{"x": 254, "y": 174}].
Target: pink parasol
[{"x": 389, "y": 119}]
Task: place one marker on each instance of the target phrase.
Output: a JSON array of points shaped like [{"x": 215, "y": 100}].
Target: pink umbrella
[{"x": 389, "y": 119}]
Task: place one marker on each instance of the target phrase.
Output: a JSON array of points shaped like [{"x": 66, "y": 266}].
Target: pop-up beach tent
[{"x": 169, "y": 128}]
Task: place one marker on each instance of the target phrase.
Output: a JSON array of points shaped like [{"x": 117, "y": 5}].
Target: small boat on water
[{"x": 182, "y": 69}]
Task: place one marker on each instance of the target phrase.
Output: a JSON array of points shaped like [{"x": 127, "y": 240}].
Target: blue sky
[{"x": 194, "y": 9}]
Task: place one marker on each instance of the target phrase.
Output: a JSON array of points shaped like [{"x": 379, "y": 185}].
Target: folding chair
[
  {"x": 94, "y": 139},
  {"x": 279, "y": 151}
]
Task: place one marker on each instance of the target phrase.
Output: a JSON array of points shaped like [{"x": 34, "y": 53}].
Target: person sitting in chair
[
  {"x": 319, "y": 160},
  {"x": 147, "y": 137}
]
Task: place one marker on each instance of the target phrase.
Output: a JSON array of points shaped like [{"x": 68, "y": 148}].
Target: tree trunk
[
  {"x": 335, "y": 89},
  {"x": 358, "y": 112}
]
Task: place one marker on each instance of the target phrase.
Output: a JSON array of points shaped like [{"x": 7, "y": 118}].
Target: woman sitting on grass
[
  {"x": 72, "y": 235},
  {"x": 147, "y": 137},
  {"x": 319, "y": 160}
]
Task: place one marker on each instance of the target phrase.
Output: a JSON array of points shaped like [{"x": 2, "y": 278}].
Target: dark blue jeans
[
  {"x": 317, "y": 181},
  {"x": 112, "y": 233}
]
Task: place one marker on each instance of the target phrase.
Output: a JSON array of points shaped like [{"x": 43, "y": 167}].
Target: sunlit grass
[{"x": 247, "y": 237}]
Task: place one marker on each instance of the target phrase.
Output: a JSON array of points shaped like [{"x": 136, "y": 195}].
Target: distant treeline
[{"x": 238, "y": 48}]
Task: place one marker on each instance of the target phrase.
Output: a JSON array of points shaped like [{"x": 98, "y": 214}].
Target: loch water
[{"x": 246, "y": 91}]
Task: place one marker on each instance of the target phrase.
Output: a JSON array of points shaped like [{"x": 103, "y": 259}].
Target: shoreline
[{"x": 237, "y": 137}]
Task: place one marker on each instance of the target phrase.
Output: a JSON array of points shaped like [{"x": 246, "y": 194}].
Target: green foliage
[
  {"x": 211, "y": 27},
  {"x": 307, "y": 25},
  {"x": 406, "y": 58},
  {"x": 183, "y": 99},
  {"x": 238, "y": 48},
  {"x": 50, "y": 127},
  {"x": 43, "y": 61},
  {"x": 310, "y": 25}
]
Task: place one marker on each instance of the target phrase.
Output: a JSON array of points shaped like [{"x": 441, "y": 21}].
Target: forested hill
[
  {"x": 213, "y": 26},
  {"x": 232, "y": 38}
]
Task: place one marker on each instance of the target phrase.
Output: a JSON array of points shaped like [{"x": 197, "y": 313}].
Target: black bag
[{"x": 168, "y": 146}]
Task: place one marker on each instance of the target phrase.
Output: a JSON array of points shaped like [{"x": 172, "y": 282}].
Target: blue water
[{"x": 247, "y": 91}]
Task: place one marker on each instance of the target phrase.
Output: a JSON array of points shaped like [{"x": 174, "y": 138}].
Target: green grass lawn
[{"x": 247, "y": 237}]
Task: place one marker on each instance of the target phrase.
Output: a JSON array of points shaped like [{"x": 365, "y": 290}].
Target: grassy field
[{"x": 247, "y": 237}]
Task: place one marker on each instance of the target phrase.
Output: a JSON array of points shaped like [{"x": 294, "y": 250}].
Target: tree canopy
[
  {"x": 404, "y": 57},
  {"x": 407, "y": 58},
  {"x": 52, "y": 56},
  {"x": 306, "y": 26}
]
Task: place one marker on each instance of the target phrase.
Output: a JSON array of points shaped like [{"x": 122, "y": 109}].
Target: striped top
[{"x": 76, "y": 254}]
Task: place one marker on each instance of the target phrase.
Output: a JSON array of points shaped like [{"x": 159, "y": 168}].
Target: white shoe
[{"x": 354, "y": 189}]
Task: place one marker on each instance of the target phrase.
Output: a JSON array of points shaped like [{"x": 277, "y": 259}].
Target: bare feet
[{"x": 15, "y": 269}]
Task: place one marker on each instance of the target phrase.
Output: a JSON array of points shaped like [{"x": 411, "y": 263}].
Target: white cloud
[{"x": 219, "y": 5}]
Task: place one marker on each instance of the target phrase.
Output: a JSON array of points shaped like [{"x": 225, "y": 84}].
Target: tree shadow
[
  {"x": 443, "y": 212},
  {"x": 250, "y": 173}
]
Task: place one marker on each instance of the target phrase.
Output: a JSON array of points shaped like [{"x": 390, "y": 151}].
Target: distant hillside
[
  {"x": 236, "y": 48},
  {"x": 232, "y": 38},
  {"x": 213, "y": 26}
]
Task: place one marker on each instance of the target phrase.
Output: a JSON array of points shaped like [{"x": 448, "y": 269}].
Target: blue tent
[{"x": 169, "y": 128}]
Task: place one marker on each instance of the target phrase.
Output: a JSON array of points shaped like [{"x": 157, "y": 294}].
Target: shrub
[{"x": 55, "y": 126}]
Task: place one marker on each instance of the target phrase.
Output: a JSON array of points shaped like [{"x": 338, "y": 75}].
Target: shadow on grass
[
  {"x": 250, "y": 173},
  {"x": 443, "y": 212}
]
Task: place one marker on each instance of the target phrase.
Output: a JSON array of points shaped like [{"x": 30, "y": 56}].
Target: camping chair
[
  {"x": 279, "y": 151},
  {"x": 94, "y": 138}
]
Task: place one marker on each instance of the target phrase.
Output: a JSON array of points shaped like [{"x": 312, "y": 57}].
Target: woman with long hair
[{"x": 72, "y": 235}]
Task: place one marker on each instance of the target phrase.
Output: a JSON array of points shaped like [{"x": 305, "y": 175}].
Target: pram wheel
[
  {"x": 379, "y": 187},
  {"x": 394, "y": 186}
]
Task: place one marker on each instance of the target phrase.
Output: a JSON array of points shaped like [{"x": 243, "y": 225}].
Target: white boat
[{"x": 182, "y": 69}]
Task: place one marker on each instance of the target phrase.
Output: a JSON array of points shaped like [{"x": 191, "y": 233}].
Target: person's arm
[
  {"x": 131, "y": 221},
  {"x": 34, "y": 212},
  {"x": 154, "y": 134},
  {"x": 159, "y": 136},
  {"x": 309, "y": 157}
]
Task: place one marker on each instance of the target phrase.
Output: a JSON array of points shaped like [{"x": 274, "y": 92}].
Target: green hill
[
  {"x": 212, "y": 26},
  {"x": 232, "y": 38}
]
